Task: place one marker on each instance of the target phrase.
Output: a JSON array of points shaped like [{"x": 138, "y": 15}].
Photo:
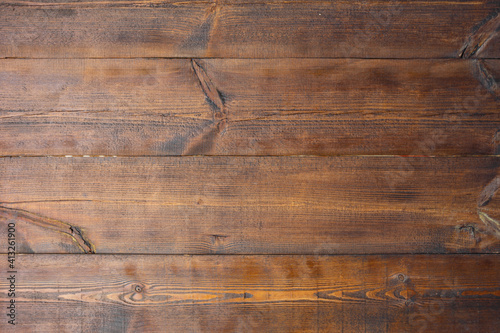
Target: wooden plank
[
  {"x": 252, "y": 205},
  {"x": 415, "y": 293},
  {"x": 248, "y": 29},
  {"x": 249, "y": 107}
]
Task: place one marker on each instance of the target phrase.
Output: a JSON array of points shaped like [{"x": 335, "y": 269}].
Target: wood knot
[
  {"x": 471, "y": 230},
  {"x": 218, "y": 238},
  {"x": 483, "y": 33}
]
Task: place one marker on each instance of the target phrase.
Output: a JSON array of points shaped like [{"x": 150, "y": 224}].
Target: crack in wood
[
  {"x": 216, "y": 237},
  {"x": 484, "y": 75},
  {"x": 481, "y": 35},
  {"x": 488, "y": 192},
  {"x": 204, "y": 142},
  {"x": 212, "y": 94},
  {"x": 75, "y": 233}
]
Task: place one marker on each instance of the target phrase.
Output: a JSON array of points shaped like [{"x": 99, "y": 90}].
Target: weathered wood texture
[
  {"x": 253, "y": 205},
  {"x": 249, "y": 107},
  {"x": 423, "y": 293},
  {"x": 249, "y": 29},
  {"x": 101, "y": 240}
]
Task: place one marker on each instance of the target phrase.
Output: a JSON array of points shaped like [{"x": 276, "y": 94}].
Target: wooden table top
[{"x": 249, "y": 166}]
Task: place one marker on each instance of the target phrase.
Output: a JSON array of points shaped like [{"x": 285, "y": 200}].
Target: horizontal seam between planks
[
  {"x": 249, "y": 156},
  {"x": 398, "y": 254},
  {"x": 243, "y": 58}
]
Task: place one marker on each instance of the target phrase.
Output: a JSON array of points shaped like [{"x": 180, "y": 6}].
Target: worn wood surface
[
  {"x": 249, "y": 107},
  {"x": 137, "y": 135},
  {"x": 423, "y": 293},
  {"x": 248, "y": 29},
  {"x": 253, "y": 205}
]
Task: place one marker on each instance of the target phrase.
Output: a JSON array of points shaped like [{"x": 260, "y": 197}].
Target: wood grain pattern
[
  {"x": 248, "y": 29},
  {"x": 144, "y": 161},
  {"x": 98, "y": 293},
  {"x": 249, "y": 107},
  {"x": 252, "y": 205}
]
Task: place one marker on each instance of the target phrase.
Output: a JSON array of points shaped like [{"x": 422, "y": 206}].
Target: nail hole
[
  {"x": 138, "y": 289},
  {"x": 401, "y": 277}
]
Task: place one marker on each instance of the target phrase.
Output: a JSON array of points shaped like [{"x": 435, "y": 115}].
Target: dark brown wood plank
[
  {"x": 248, "y": 29},
  {"x": 252, "y": 205},
  {"x": 415, "y": 293},
  {"x": 249, "y": 107}
]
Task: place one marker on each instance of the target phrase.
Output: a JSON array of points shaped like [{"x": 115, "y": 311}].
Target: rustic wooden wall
[{"x": 250, "y": 166}]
